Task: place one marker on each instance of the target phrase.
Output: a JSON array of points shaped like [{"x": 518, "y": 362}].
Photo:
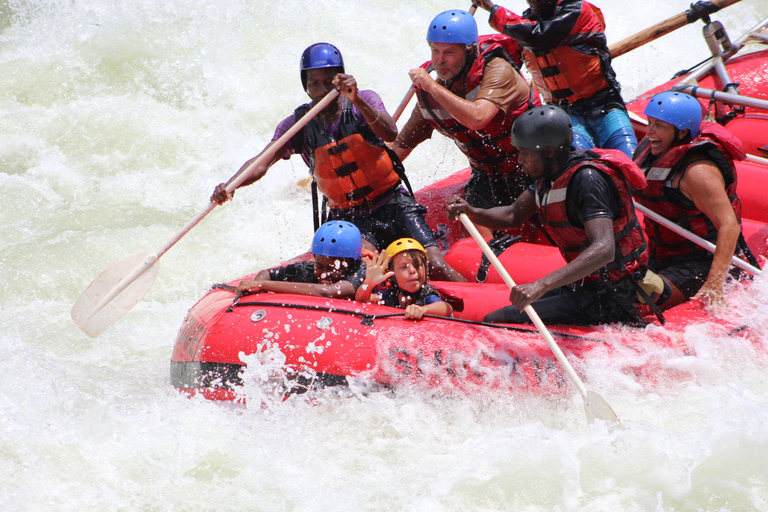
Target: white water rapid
[{"x": 117, "y": 119}]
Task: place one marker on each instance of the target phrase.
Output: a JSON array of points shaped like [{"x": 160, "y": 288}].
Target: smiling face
[
  {"x": 663, "y": 135},
  {"x": 448, "y": 59},
  {"x": 410, "y": 275}
]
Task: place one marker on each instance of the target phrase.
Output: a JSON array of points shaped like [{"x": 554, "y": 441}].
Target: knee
[
  {"x": 623, "y": 141},
  {"x": 495, "y": 317}
]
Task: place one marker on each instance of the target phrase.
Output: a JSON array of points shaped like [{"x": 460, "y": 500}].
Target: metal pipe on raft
[
  {"x": 752, "y": 33},
  {"x": 723, "y": 97}
]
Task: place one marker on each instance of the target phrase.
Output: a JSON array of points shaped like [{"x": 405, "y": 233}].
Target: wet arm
[
  {"x": 500, "y": 217},
  {"x": 380, "y": 121},
  {"x": 600, "y": 252},
  {"x": 475, "y": 115},
  {"x": 704, "y": 185},
  {"x": 340, "y": 290}
]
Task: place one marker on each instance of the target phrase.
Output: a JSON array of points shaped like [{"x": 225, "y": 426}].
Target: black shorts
[
  {"x": 486, "y": 191},
  {"x": 588, "y": 304},
  {"x": 400, "y": 217},
  {"x": 687, "y": 276}
]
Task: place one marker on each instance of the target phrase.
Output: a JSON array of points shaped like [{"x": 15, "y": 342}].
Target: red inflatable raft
[{"x": 311, "y": 341}]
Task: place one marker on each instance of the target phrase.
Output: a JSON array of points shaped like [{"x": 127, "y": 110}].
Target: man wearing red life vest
[
  {"x": 475, "y": 99},
  {"x": 689, "y": 167},
  {"x": 583, "y": 201},
  {"x": 565, "y": 50},
  {"x": 344, "y": 147}
]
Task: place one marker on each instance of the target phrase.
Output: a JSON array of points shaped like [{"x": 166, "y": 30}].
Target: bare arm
[
  {"x": 220, "y": 194},
  {"x": 600, "y": 252},
  {"x": 380, "y": 121},
  {"x": 475, "y": 115},
  {"x": 500, "y": 217},
  {"x": 703, "y": 184},
  {"x": 340, "y": 290},
  {"x": 440, "y": 308}
]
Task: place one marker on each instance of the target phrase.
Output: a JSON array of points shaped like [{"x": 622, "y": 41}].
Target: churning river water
[{"x": 117, "y": 118}]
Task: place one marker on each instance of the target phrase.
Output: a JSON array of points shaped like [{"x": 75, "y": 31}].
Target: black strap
[
  {"x": 498, "y": 245},
  {"x": 315, "y": 207}
]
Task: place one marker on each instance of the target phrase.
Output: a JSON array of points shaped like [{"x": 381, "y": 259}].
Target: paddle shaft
[
  {"x": 694, "y": 238},
  {"x": 528, "y": 309},
  {"x": 656, "y": 31},
  {"x": 266, "y": 156}
]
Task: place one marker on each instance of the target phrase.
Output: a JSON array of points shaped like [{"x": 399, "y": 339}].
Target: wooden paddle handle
[
  {"x": 660, "y": 29},
  {"x": 735, "y": 260},
  {"x": 404, "y": 103},
  {"x": 553, "y": 346},
  {"x": 243, "y": 175}
]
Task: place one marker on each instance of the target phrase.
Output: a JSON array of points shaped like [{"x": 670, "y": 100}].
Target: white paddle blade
[
  {"x": 598, "y": 408},
  {"x": 114, "y": 293}
]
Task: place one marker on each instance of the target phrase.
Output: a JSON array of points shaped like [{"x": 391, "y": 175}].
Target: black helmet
[{"x": 541, "y": 127}]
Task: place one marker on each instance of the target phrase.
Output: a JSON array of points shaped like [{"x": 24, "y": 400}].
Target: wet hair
[{"x": 419, "y": 262}]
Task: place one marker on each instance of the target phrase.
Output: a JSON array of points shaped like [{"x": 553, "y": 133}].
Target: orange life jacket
[
  {"x": 571, "y": 73},
  {"x": 353, "y": 166},
  {"x": 631, "y": 249}
]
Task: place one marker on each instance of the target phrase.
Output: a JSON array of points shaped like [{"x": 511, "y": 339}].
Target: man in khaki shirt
[{"x": 475, "y": 99}]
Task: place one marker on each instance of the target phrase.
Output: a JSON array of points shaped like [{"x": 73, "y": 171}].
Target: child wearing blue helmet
[{"x": 336, "y": 271}]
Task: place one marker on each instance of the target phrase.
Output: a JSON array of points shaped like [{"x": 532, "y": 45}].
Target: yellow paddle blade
[{"x": 114, "y": 292}]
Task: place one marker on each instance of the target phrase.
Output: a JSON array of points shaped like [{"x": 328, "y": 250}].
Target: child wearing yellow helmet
[{"x": 404, "y": 263}]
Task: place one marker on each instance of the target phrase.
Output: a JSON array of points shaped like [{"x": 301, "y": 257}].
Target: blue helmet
[
  {"x": 338, "y": 238},
  {"x": 678, "y": 109},
  {"x": 320, "y": 55},
  {"x": 454, "y": 26}
]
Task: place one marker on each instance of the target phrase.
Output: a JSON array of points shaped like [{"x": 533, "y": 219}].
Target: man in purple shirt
[{"x": 344, "y": 147}]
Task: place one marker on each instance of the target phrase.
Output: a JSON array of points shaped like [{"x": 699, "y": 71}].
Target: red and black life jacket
[
  {"x": 631, "y": 249},
  {"x": 718, "y": 145},
  {"x": 489, "y": 149},
  {"x": 352, "y": 166},
  {"x": 575, "y": 72}
]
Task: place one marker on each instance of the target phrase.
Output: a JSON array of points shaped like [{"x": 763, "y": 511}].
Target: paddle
[
  {"x": 661, "y": 29},
  {"x": 116, "y": 290},
  {"x": 595, "y": 405},
  {"x": 694, "y": 238}
]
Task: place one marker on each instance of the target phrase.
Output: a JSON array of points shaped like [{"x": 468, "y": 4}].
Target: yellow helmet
[{"x": 404, "y": 244}]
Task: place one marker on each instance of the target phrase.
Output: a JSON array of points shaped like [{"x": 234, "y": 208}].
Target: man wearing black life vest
[
  {"x": 565, "y": 50},
  {"x": 474, "y": 101},
  {"x": 583, "y": 201},
  {"x": 689, "y": 166},
  {"x": 344, "y": 147}
]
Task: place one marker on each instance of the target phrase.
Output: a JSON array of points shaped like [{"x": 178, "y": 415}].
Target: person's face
[
  {"x": 530, "y": 161},
  {"x": 542, "y": 7},
  {"x": 448, "y": 59},
  {"x": 320, "y": 82},
  {"x": 661, "y": 135},
  {"x": 409, "y": 278},
  {"x": 329, "y": 270}
]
